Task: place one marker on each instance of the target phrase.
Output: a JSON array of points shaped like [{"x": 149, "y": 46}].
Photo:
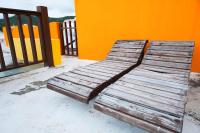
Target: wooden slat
[
  {"x": 96, "y": 72},
  {"x": 88, "y": 74},
  {"x": 77, "y": 76},
  {"x": 146, "y": 95},
  {"x": 166, "y": 75},
  {"x": 173, "y": 43},
  {"x": 116, "y": 62},
  {"x": 2, "y": 61},
  {"x": 128, "y": 44},
  {"x": 168, "y": 59},
  {"x": 126, "y": 50},
  {"x": 118, "y": 58},
  {"x": 10, "y": 39},
  {"x": 159, "y": 77},
  {"x": 32, "y": 38},
  {"x": 102, "y": 70},
  {"x": 131, "y": 41},
  {"x": 117, "y": 70},
  {"x": 145, "y": 102},
  {"x": 112, "y": 65},
  {"x": 78, "y": 81},
  {"x": 167, "y": 64},
  {"x": 141, "y": 112},
  {"x": 152, "y": 90},
  {"x": 172, "y": 48},
  {"x": 71, "y": 39},
  {"x": 69, "y": 86},
  {"x": 154, "y": 86},
  {"x": 123, "y": 50},
  {"x": 156, "y": 81},
  {"x": 123, "y": 54},
  {"x": 181, "y": 72},
  {"x": 21, "y": 35},
  {"x": 169, "y": 53}
]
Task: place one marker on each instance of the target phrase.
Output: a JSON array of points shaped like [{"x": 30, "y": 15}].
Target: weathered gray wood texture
[
  {"x": 86, "y": 82},
  {"x": 153, "y": 95}
]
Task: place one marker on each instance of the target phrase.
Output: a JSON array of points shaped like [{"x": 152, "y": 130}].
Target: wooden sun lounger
[
  {"x": 153, "y": 95},
  {"x": 86, "y": 82}
]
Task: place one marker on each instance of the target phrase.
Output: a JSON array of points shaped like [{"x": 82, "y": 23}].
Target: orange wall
[{"x": 101, "y": 22}]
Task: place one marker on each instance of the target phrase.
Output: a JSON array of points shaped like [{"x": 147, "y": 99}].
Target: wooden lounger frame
[
  {"x": 112, "y": 58},
  {"x": 153, "y": 95}
]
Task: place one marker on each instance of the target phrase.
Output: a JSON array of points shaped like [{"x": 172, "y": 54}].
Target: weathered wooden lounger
[
  {"x": 153, "y": 95},
  {"x": 86, "y": 82}
]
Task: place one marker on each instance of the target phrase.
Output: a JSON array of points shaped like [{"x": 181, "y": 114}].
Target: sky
[{"x": 56, "y": 8}]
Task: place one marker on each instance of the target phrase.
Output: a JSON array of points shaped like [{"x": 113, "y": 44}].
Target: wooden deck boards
[
  {"x": 152, "y": 96},
  {"x": 84, "y": 83}
]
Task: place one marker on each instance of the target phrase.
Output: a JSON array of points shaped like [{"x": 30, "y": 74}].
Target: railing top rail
[{"x": 18, "y": 11}]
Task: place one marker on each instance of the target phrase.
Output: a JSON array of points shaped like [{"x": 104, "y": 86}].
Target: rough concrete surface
[{"x": 193, "y": 104}]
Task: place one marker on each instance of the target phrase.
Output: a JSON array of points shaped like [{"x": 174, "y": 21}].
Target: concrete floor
[
  {"x": 26, "y": 105},
  {"x": 193, "y": 104}
]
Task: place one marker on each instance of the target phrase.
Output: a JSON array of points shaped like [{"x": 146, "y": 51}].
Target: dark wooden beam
[
  {"x": 71, "y": 39},
  {"x": 18, "y": 11},
  {"x": 76, "y": 39},
  {"x": 42, "y": 42},
  {"x": 2, "y": 62},
  {"x": 10, "y": 39},
  {"x": 46, "y": 35},
  {"x": 32, "y": 38},
  {"x": 62, "y": 39},
  {"x": 66, "y": 35},
  {"x": 21, "y": 35}
]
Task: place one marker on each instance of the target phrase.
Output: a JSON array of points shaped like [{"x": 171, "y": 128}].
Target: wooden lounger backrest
[
  {"x": 127, "y": 50},
  {"x": 169, "y": 57}
]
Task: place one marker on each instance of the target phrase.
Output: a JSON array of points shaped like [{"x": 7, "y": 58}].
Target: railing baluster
[
  {"x": 46, "y": 34},
  {"x": 2, "y": 62},
  {"x": 67, "y": 42},
  {"x": 21, "y": 35},
  {"x": 41, "y": 38},
  {"x": 10, "y": 39},
  {"x": 61, "y": 39},
  {"x": 70, "y": 32},
  {"x": 75, "y": 31},
  {"x": 32, "y": 38}
]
